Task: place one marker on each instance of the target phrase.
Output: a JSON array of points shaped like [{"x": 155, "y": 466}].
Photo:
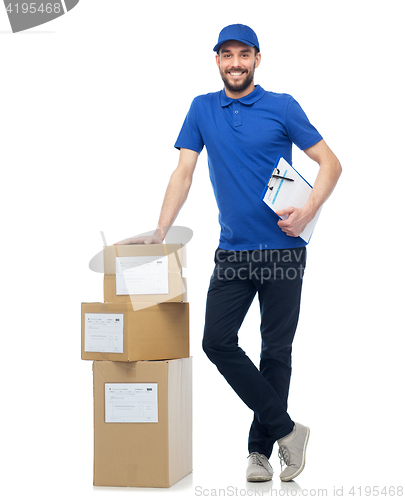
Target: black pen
[{"x": 281, "y": 177}]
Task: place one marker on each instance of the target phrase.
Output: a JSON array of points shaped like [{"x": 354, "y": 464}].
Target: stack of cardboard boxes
[{"x": 138, "y": 340}]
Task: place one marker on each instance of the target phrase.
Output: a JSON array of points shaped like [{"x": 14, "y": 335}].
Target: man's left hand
[{"x": 297, "y": 219}]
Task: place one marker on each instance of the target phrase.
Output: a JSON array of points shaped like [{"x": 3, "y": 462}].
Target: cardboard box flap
[{"x": 156, "y": 250}]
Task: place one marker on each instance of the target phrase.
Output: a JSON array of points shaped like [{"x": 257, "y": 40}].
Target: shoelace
[
  {"x": 256, "y": 459},
  {"x": 284, "y": 456}
]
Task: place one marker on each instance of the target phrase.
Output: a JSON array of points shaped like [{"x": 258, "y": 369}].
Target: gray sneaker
[
  {"x": 292, "y": 450},
  {"x": 258, "y": 468}
]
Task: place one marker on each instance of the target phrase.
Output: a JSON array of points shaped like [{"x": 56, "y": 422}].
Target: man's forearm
[
  {"x": 324, "y": 185},
  {"x": 177, "y": 190},
  {"x": 176, "y": 194},
  {"x": 326, "y": 180}
]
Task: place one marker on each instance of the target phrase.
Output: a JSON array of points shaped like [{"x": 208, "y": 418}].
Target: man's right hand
[{"x": 142, "y": 240}]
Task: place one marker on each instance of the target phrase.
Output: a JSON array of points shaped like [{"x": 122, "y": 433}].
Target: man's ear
[
  {"x": 258, "y": 59},
  {"x": 217, "y": 58}
]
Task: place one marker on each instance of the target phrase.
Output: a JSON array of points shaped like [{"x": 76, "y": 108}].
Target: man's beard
[{"x": 240, "y": 85}]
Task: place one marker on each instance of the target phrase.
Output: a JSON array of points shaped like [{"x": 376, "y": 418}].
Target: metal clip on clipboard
[{"x": 276, "y": 175}]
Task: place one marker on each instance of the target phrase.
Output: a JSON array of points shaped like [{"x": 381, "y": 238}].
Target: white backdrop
[{"x": 91, "y": 105}]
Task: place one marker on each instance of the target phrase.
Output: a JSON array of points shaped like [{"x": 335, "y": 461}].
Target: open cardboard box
[{"x": 145, "y": 273}]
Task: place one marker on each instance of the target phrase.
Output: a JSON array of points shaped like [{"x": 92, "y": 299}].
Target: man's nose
[{"x": 237, "y": 62}]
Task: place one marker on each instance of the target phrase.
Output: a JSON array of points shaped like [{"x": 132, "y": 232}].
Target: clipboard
[{"x": 288, "y": 188}]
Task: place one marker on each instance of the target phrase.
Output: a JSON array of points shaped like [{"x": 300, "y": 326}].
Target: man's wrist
[
  {"x": 160, "y": 232},
  {"x": 310, "y": 209}
]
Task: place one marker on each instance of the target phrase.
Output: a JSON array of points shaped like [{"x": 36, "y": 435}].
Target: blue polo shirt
[{"x": 244, "y": 138}]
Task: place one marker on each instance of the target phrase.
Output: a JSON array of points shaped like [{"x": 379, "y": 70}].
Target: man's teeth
[{"x": 236, "y": 74}]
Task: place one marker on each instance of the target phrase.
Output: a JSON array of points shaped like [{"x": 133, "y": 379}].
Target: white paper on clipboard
[{"x": 280, "y": 194}]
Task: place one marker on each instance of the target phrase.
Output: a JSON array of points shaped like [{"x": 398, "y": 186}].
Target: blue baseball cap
[{"x": 238, "y": 32}]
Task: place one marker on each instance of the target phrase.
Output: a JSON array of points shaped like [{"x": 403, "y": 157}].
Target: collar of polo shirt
[{"x": 251, "y": 98}]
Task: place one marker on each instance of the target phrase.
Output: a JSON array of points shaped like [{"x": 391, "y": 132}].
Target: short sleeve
[
  {"x": 300, "y": 131},
  {"x": 190, "y": 136}
]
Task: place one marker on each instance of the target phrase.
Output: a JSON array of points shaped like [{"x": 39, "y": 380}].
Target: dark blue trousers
[{"x": 276, "y": 276}]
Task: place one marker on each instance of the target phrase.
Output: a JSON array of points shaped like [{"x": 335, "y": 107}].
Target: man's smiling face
[{"x": 237, "y": 62}]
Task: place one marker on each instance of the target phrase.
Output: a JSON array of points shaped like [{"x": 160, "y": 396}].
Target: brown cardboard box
[
  {"x": 117, "y": 332},
  {"x": 159, "y": 280},
  {"x": 149, "y": 453}
]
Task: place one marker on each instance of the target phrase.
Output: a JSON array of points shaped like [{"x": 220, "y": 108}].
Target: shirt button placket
[{"x": 237, "y": 115}]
